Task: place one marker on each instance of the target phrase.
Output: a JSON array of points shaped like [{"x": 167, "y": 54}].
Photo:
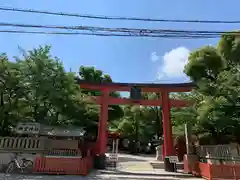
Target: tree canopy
[
  {"x": 35, "y": 87},
  {"x": 216, "y": 73}
]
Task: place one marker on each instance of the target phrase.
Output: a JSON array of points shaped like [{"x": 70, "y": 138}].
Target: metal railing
[
  {"x": 21, "y": 144},
  {"x": 221, "y": 160}
]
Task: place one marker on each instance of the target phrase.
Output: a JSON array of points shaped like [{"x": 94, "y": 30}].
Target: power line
[
  {"x": 105, "y": 34},
  {"x": 121, "y": 30},
  {"x": 124, "y": 32},
  {"x": 114, "y": 17}
]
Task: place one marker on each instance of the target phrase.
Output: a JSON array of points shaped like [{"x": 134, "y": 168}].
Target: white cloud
[
  {"x": 154, "y": 57},
  {"x": 173, "y": 63}
]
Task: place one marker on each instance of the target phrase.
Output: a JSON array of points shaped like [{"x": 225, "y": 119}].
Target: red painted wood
[
  {"x": 116, "y": 87},
  {"x": 164, "y": 101},
  {"x": 167, "y": 126},
  {"x": 216, "y": 171},
  {"x": 113, "y": 134},
  {"x": 63, "y": 165},
  {"x": 146, "y": 102},
  {"x": 102, "y": 127}
]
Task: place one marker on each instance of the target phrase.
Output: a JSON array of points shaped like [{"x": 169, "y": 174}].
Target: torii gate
[{"x": 105, "y": 100}]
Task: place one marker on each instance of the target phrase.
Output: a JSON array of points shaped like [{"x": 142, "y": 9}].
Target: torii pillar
[
  {"x": 167, "y": 132},
  {"x": 102, "y": 129}
]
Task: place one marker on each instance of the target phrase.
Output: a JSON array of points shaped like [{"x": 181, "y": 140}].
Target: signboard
[
  {"x": 28, "y": 128},
  {"x": 135, "y": 93},
  {"x": 173, "y": 159},
  {"x": 36, "y": 128},
  {"x": 65, "y": 132}
]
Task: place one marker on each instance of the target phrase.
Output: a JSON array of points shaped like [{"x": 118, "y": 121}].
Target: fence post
[
  {"x": 237, "y": 147},
  {"x": 210, "y": 171}
]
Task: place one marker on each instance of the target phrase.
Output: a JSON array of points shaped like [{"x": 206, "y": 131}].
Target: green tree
[
  {"x": 184, "y": 115},
  {"x": 140, "y": 123},
  {"x": 11, "y": 94},
  {"x": 203, "y": 68},
  {"x": 36, "y": 88},
  {"x": 216, "y": 72},
  {"x": 91, "y": 74}
]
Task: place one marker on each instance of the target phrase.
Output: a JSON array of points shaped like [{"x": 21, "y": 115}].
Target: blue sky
[{"x": 125, "y": 59}]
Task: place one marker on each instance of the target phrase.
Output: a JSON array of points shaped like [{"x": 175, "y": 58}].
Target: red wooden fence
[
  {"x": 217, "y": 171},
  {"x": 63, "y": 165}
]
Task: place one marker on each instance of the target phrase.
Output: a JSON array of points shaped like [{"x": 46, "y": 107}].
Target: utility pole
[
  {"x": 136, "y": 134},
  {"x": 188, "y": 136}
]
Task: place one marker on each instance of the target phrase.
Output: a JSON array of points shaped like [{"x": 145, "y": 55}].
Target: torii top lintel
[{"x": 145, "y": 87}]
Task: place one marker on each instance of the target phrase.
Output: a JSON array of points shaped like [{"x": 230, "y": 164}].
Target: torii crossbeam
[{"x": 164, "y": 89}]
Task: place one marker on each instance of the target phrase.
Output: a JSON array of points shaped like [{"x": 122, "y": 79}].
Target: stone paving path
[{"x": 130, "y": 168}]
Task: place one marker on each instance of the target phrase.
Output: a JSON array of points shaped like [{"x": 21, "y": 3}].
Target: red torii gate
[{"x": 105, "y": 100}]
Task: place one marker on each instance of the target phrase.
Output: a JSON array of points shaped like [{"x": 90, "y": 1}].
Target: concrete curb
[{"x": 154, "y": 173}]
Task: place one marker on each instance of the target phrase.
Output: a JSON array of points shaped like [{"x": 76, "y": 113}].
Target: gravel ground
[
  {"x": 91, "y": 177},
  {"x": 42, "y": 177}
]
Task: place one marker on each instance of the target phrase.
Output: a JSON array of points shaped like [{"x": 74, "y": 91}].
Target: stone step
[
  {"x": 160, "y": 165},
  {"x": 156, "y": 175},
  {"x": 137, "y": 177}
]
